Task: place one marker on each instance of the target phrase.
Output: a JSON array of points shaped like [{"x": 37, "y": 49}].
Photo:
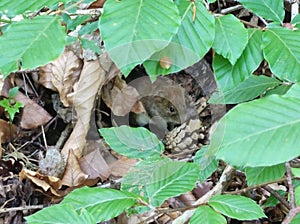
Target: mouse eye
[{"x": 172, "y": 109}]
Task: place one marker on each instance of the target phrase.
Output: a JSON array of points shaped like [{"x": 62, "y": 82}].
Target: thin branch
[
  {"x": 244, "y": 190},
  {"x": 278, "y": 196},
  {"x": 293, "y": 212},
  {"x": 30, "y": 207},
  {"x": 290, "y": 184}
]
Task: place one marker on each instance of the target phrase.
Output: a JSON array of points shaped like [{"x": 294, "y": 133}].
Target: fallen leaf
[
  {"x": 120, "y": 97},
  {"x": 120, "y": 167},
  {"x": 45, "y": 182},
  {"x": 91, "y": 79},
  {"x": 33, "y": 114},
  {"x": 5, "y": 129},
  {"x": 93, "y": 164},
  {"x": 73, "y": 175},
  {"x": 62, "y": 74}
]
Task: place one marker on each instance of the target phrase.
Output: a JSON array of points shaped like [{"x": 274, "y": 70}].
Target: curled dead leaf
[
  {"x": 73, "y": 175},
  {"x": 45, "y": 182},
  {"x": 120, "y": 97},
  {"x": 61, "y": 75}
]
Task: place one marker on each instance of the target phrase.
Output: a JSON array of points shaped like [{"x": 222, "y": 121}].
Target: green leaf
[
  {"x": 237, "y": 207},
  {"x": 12, "y": 93},
  {"x": 297, "y": 195},
  {"x": 272, "y": 200},
  {"x": 208, "y": 164},
  {"x": 296, "y": 21},
  {"x": 230, "y": 38},
  {"x": 269, "y": 9},
  {"x": 189, "y": 45},
  {"x": 171, "y": 179},
  {"x": 13, "y": 8},
  {"x": 133, "y": 142},
  {"x": 259, "y": 175},
  {"x": 145, "y": 30},
  {"x": 279, "y": 90},
  {"x": 247, "y": 90},
  {"x": 60, "y": 214},
  {"x": 296, "y": 172},
  {"x": 296, "y": 219},
  {"x": 262, "y": 132},
  {"x": 282, "y": 51},
  {"x": 90, "y": 44},
  {"x": 140, "y": 175},
  {"x": 206, "y": 215},
  {"x": 102, "y": 204},
  {"x": 230, "y": 76},
  {"x": 161, "y": 179},
  {"x": 73, "y": 23},
  {"x": 33, "y": 42},
  {"x": 88, "y": 28},
  {"x": 294, "y": 91}
]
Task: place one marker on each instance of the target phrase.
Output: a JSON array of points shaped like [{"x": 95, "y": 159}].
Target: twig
[
  {"x": 30, "y": 207},
  {"x": 244, "y": 190},
  {"x": 293, "y": 212},
  {"x": 231, "y": 9},
  {"x": 278, "y": 196},
  {"x": 290, "y": 184}
]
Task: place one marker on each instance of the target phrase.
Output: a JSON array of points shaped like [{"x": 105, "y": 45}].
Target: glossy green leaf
[
  {"x": 262, "y": 132},
  {"x": 247, "y": 90},
  {"x": 102, "y": 204},
  {"x": 189, "y": 45},
  {"x": 230, "y": 38},
  {"x": 31, "y": 43},
  {"x": 208, "y": 164},
  {"x": 60, "y": 214},
  {"x": 294, "y": 91},
  {"x": 13, "y": 8},
  {"x": 230, "y": 76},
  {"x": 140, "y": 176},
  {"x": 237, "y": 207},
  {"x": 145, "y": 30},
  {"x": 206, "y": 215},
  {"x": 259, "y": 175},
  {"x": 133, "y": 142},
  {"x": 171, "y": 179},
  {"x": 282, "y": 51},
  {"x": 268, "y": 9}
]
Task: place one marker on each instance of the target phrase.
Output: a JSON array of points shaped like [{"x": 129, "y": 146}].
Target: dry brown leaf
[
  {"x": 5, "y": 134},
  {"x": 33, "y": 114},
  {"x": 120, "y": 167},
  {"x": 45, "y": 182},
  {"x": 85, "y": 92},
  {"x": 73, "y": 175},
  {"x": 119, "y": 96},
  {"x": 94, "y": 165},
  {"x": 63, "y": 73}
]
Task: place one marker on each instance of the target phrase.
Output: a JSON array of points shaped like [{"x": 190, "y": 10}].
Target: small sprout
[{"x": 10, "y": 105}]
